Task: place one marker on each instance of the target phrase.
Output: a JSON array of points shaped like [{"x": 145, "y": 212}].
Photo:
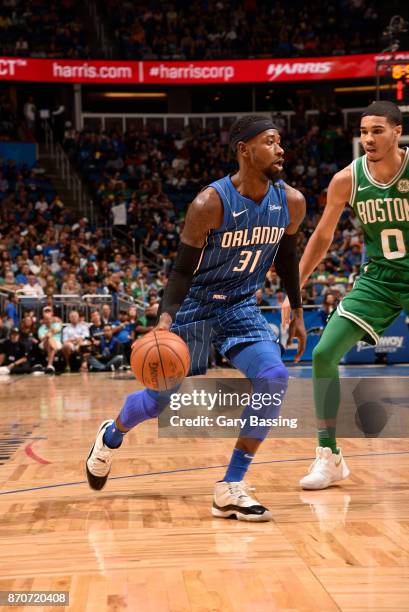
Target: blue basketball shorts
[{"x": 225, "y": 326}]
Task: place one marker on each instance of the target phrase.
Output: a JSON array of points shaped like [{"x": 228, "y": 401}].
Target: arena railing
[
  {"x": 68, "y": 174},
  {"x": 175, "y": 122},
  {"x": 154, "y": 260},
  {"x": 85, "y": 304},
  {"x": 64, "y": 303}
]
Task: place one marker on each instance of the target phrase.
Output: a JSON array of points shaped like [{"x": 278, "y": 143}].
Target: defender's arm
[{"x": 339, "y": 192}]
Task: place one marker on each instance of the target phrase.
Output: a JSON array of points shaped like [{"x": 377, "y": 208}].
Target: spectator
[
  {"x": 71, "y": 286},
  {"x": 109, "y": 357},
  {"x": 13, "y": 355},
  {"x": 151, "y": 310},
  {"x": 329, "y": 304},
  {"x": 278, "y": 298},
  {"x": 75, "y": 337},
  {"x": 50, "y": 336},
  {"x": 41, "y": 205},
  {"x": 124, "y": 333},
  {"x": 4, "y": 330},
  {"x": 37, "y": 263},
  {"x": 96, "y": 327},
  {"x": 29, "y": 338},
  {"x": 11, "y": 311},
  {"x": 106, "y": 314},
  {"x": 260, "y": 301},
  {"x": 32, "y": 288},
  {"x": 22, "y": 276},
  {"x": 142, "y": 327},
  {"x": 9, "y": 283},
  {"x": 30, "y": 113}
]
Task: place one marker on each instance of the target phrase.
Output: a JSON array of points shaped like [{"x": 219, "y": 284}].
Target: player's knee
[
  {"x": 276, "y": 372},
  {"x": 272, "y": 383},
  {"x": 321, "y": 355}
]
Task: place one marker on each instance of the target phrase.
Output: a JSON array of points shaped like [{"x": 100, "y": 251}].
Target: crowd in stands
[
  {"x": 47, "y": 250},
  {"x": 202, "y": 29},
  {"x": 216, "y": 29},
  {"x": 37, "y": 28},
  {"x": 143, "y": 181},
  {"x": 45, "y": 344}
]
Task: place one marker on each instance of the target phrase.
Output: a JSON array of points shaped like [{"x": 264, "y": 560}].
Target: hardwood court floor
[{"x": 148, "y": 542}]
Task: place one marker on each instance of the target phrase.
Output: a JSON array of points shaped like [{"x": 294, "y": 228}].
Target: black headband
[{"x": 250, "y": 131}]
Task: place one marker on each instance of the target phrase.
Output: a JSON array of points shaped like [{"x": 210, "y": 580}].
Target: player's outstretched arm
[
  {"x": 204, "y": 214},
  {"x": 339, "y": 193}
]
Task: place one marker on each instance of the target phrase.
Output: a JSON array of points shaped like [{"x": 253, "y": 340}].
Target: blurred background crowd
[
  {"x": 60, "y": 269},
  {"x": 142, "y": 183},
  {"x": 203, "y": 29}
]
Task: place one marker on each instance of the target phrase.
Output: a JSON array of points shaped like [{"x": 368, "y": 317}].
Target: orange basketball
[{"x": 160, "y": 360}]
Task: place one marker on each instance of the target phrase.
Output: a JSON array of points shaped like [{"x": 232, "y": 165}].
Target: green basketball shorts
[{"x": 377, "y": 298}]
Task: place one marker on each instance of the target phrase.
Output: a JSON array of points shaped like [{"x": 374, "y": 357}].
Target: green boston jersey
[{"x": 383, "y": 211}]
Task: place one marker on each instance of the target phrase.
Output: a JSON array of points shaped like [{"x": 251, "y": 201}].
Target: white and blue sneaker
[
  {"x": 232, "y": 499},
  {"x": 98, "y": 464}
]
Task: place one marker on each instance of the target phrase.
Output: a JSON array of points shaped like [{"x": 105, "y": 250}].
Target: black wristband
[
  {"x": 286, "y": 265},
  {"x": 180, "y": 279}
]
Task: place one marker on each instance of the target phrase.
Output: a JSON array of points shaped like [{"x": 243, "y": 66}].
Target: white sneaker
[
  {"x": 99, "y": 460},
  {"x": 232, "y": 499},
  {"x": 4, "y": 371},
  {"x": 327, "y": 468}
]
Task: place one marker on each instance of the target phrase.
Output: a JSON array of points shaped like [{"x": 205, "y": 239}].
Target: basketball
[{"x": 160, "y": 360}]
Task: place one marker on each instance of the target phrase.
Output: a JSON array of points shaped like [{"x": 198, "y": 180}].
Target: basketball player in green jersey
[{"x": 376, "y": 185}]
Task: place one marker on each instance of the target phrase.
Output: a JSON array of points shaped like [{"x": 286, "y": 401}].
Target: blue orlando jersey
[{"x": 238, "y": 255}]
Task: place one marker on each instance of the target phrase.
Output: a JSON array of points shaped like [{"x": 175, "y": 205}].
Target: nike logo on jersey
[
  {"x": 362, "y": 188},
  {"x": 237, "y": 214}
]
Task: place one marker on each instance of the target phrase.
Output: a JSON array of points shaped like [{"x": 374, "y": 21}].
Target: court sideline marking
[{"x": 194, "y": 469}]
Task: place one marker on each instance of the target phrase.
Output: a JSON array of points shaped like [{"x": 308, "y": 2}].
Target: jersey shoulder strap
[{"x": 359, "y": 180}]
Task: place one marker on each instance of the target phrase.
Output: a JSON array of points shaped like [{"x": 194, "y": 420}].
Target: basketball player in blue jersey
[{"x": 234, "y": 230}]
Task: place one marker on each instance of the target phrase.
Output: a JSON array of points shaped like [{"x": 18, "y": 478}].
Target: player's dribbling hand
[
  {"x": 165, "y": 321},
  {"x": 285, "y": 313},
  {"x": 297, "y": 330}
]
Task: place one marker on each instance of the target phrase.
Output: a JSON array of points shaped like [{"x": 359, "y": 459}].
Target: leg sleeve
[
  {"x": 261, "y": 363},
  {"x": 338, "y": 338}
]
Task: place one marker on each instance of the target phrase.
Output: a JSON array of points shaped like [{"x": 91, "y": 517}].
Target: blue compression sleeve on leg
[
  {"x": 261, "y": 363},
  {"x": 138, "y": 407},
  {"x": 268, "y": 393},
  {"x": 143, "y": 405}
]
